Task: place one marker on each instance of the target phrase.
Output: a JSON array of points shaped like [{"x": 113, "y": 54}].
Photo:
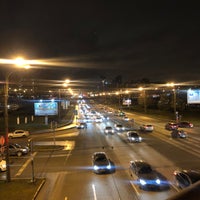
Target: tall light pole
[
  {"x": 6, "y": 126},
  {"x": 18, "y": 62},
  {"x": 65, "y": 84},
  {"x": 174, "y": 99}
]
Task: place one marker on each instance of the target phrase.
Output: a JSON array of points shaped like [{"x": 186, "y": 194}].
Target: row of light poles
[{"x": 143, "y": 92}]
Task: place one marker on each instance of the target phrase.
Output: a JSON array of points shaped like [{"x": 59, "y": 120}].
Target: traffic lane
[
  {"x": 79, "y": 164},
  {"x": 87, "y": 185},
  {"x": 122, "y": 152},
  {"x": 87, "y": 142},
  {"x": 141, "y": 151}
]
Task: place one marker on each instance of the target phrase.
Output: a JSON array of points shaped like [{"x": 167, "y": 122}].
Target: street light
[
  {"x": 7, "y": 75},
  {"x": 174, "y": 99},
  {"x": 65, "y": 84}
]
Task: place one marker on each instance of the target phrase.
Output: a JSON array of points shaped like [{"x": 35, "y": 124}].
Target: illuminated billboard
[
  {"x": 126, "y": 102},
  {"x": 193, "y": 96},
  {"x": 46, "y": 108}
]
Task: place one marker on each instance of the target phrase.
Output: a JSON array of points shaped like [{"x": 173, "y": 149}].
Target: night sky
[{"x": 135, "y": 39}]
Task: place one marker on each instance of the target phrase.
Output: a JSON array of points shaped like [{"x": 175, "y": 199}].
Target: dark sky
[{"x": 135, "y": 39}]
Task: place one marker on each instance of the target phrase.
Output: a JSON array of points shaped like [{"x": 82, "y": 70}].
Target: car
[
  {"x": 147, "y": 127},
  {"x": 18, "y": 133},
  {"x": 133, "y": 136},
  {"x": 109, "y": 129},
  {"x": 177, "y": 133},
  {"x": 17, "y": 149},
  {"x": 185, "y": 124},
  {"x": 119, "y": 113},
  {"x": 119, "y": 127},
  {"x": 171, "y": 126},
  {"x": 145, "y": 177},
  {"x": 185, "y": 178},
  {"x": 125, "y": 118},
  {"x": 98, "y": 119},
  {"x": 101, "y": 164},
  {"x": 81, "y": 125},
  {"x": 2, "y": 165}
]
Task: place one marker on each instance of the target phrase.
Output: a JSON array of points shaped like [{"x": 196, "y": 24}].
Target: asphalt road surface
[{"x": 64, "y": 158}]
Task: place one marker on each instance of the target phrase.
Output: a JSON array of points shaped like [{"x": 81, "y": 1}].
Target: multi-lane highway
[{"x": 64, "y": 158}]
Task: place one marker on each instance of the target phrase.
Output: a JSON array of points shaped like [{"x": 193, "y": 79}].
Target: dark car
[
  {"x": 171, "y": 126},
  {"x": 185, "y": 178},
  {"x": 185, "y": 125},
  {"x": 17, "y": 149},
  {"x": 178, "y": 134},
  {"x": 146, "y": 177},
  {"x": 101, "y": 164},
  {"x": 133, "y": 136}
]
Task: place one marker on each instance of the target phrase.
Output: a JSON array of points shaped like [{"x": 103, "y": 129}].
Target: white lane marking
[
  {"x": 175, "y": 188},
  {"x": 94, "y": 192},
  {"x": 137, "y": 192},
  {"x": 25, "y": 164},
  {"x": 68, "y": 145}
]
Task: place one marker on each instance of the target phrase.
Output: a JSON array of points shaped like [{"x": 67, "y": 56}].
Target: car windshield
[
  {"x": 100, "y": 157},
  {"x": 108, "y": 128},
  {"x": 133, "y": 134},
  {"x": 194, "y": 177},
  {"x": 17, "y": 145},
  {"x": 145, "y": 169}
]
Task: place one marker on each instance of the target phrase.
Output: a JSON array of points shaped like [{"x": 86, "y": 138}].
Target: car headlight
[
  {"x": 140, "y": 138},
  {"x": 96, "y": 167},
  {"x": 108, "y": 166},
  {"x": 142, "y": 182},
  {"x": 158, "y": 181}
]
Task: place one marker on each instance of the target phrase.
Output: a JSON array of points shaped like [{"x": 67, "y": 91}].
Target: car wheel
[{"x": 19, "y": 153}]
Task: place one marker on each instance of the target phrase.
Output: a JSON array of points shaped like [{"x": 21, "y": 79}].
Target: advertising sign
[
  {"x": 46, "y": 109},
  {"x": 193, "y": 96},
  {"x": 126, "y": 102}
]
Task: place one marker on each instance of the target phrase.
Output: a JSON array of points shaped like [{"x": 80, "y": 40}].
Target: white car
[
  {"x": 146, "y": 127},
  {"x": 125, "y": 118},
  {"x": 2, "y": 165},
  {"x": 98, "y": 119},
  {"x": 119, "y": 127},
  {"x": 18, "y": 133},
  {"x": 108, "y": 129}
]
